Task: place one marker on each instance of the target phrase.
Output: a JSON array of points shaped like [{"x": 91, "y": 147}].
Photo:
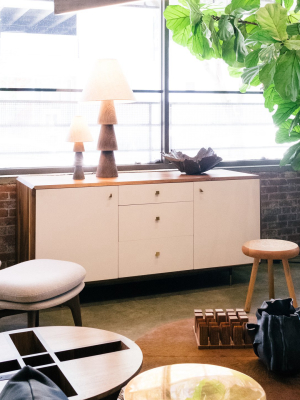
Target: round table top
[
  {"x": 193, "y": 381},
  {"x": 272, "y": 249},
  {"x": 84, "y": 362}
]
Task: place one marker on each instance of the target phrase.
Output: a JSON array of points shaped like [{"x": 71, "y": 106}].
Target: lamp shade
[
  {"x": 62, "y": 6},
  {"x": 79, "y": 131},
  {"x": 107, "y": 82}
]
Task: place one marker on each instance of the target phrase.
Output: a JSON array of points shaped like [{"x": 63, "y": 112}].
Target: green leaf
[
  {"x": 269, "y": 95},
  {"x": 255, "y": 81},
  {"x": 295, "y": 123},
  {"x": 239, "y": 44},
  {"x": 244, "y": 88},
  {"x": 181, "y": 37},
  {"x": 177, "y": 18},
  {"x": 290, "y": 154},
  {"x": 297, "y": 8},
  {"x": 249, "y": 74},
  {"x": 215, "y": 40},
  {"x": 229, "y": 54},
  {"x": 278, "y": 2},
  {"x": 288, "y": 4},
  {"x": 284, "y": 111},
  {"x": 283, "y": 135},
  {"x": 296, "y": 162},
  {"x": 293, "y": 29},
  {"x": 249, "y": 27},
  {"x": 183, "y": 2},
  {"x": 260, "y": 36},
  {"x": 195, "y": 14},
  {"x": 293, "y": 43},
  {"x": 235, "y": 72},
  {"x": 252, "y": 58},
  {"x": 226, "y": 30},
  {"x": 273, "y": 19},
  {"x": 266, "y": 74},
  {"x": 195, "y": 42},
  {"x": 244, "y": 5},
  {"x": 287, "y": 75},
  {"x": 268, "y": 54}
]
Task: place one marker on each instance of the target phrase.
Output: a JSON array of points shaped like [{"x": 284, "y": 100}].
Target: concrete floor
[{"x": 133, "y": 309}]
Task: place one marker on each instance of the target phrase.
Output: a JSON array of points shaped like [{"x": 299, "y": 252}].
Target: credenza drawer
[
  {"x": 150, "y": 221},
  {"x": 156, "y": 193},
  {"x": 154, "y": 256}
]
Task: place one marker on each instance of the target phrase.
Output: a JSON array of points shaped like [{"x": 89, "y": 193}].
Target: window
[{"x": 45, "y": 59}]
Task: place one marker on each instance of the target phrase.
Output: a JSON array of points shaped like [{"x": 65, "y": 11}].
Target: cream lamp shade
[
  {"x": 79, "y": 131},
  {"x": 107, "y": 82},
  {"x": 62, "y": 6}
]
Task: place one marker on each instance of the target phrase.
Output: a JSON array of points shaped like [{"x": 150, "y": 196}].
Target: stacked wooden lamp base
[{"x": 221, "y": 328}]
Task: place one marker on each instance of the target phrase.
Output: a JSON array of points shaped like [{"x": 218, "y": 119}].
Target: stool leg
[
  {"x": 271, "y": 279},
  {"x": 289, "y": 282},
  {"x": 251, "y": 284},
  {"x": 32, "y": 318},
  {"x": 74, "y": 305}
]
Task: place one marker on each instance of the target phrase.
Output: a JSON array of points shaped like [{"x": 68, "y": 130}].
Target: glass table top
[{"x": 193, "y": 382}]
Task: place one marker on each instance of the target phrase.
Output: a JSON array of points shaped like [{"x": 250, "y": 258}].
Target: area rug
[{"x": 174, "y": 343}]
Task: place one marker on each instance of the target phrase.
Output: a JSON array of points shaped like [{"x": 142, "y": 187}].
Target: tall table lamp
[
  {"x": 79, "y": 132},
  {"x": 106, "y": 84}
]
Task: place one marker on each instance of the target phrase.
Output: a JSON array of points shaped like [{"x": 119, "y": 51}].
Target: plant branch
[{"x": 240, "y": 21}]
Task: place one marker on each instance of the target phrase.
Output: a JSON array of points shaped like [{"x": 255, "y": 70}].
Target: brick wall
[
  {"x": 7, "y": 221},
  {"x": 280, "y": 208},
  {"x": 280, "y": 202}
]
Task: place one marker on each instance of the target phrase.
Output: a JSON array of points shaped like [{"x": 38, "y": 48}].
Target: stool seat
[
  {"x": 38, "y": 280},
  {"x": 270, "y": 249},
  {"x": 38, "y": 284}
]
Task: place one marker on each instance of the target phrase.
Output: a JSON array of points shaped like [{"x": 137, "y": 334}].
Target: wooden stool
[{"x": 270, "y": 249}]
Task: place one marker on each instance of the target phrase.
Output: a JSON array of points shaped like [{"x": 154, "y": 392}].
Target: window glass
[
  {"x": 40, "y": 50},
  {"x": 236, "y": 126}
]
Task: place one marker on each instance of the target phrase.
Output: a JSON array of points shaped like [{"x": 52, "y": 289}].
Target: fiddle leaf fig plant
[{"x": 260, "y": 44}]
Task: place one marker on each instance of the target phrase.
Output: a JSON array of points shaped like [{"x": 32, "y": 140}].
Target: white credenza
[{"x": 140, "y": 223}]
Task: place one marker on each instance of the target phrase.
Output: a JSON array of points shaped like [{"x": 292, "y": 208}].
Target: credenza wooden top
[{"x": 128, "y": 178}]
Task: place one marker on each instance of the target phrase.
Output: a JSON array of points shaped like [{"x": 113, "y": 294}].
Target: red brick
[
  {"x": 7, "y": 221},
  {"x": 3, "y": 213},
  {"x": 12, "y": 212},
  {"x": 3, "y": 196},
  {"x": 8, "y": 188},
  {"x": 12, "y": 195},
  {"x": 7, "y": 204}
]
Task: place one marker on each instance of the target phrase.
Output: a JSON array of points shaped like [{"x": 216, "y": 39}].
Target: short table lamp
[
  {"x": 79, "y": 132},
  {"x": 107, "y": 83}
]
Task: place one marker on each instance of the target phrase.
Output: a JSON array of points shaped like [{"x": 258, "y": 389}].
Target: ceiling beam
[{"x": 62, "y": 6}]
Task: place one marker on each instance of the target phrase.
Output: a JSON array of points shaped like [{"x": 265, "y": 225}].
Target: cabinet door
[
  {"x": 79, "y": 225},
  {"x": 227, "y": 214}
]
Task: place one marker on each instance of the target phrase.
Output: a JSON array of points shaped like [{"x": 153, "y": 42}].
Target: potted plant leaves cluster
[{"x": 260, "y": 44}]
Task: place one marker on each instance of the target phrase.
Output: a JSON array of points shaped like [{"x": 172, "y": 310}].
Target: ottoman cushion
[{"x": 38, "y": 280}]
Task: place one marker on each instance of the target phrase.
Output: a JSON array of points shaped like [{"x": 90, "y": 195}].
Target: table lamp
[
  {"x": 107, "y": 83},
  {"x": 79, "y": 132}
]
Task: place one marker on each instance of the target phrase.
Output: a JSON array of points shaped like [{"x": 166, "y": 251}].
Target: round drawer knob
[
  {"x": 157, "y": 218},
  {"x": 157, "y": 254},
  {"x": 200, "y": 190},
  {"x": 157, "y": 193},
  {"x": 110, "y": 196}
]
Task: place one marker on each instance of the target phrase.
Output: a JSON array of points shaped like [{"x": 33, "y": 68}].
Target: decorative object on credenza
[
  {"x": 203, "y": 161},
  {"x": 220, "y": 328},
  {"x": 276, "y": 336},
  {"x": 107, "y": 83},
  {"x": 79, "y": 132},
  {"x": 63, "y": 6}
]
